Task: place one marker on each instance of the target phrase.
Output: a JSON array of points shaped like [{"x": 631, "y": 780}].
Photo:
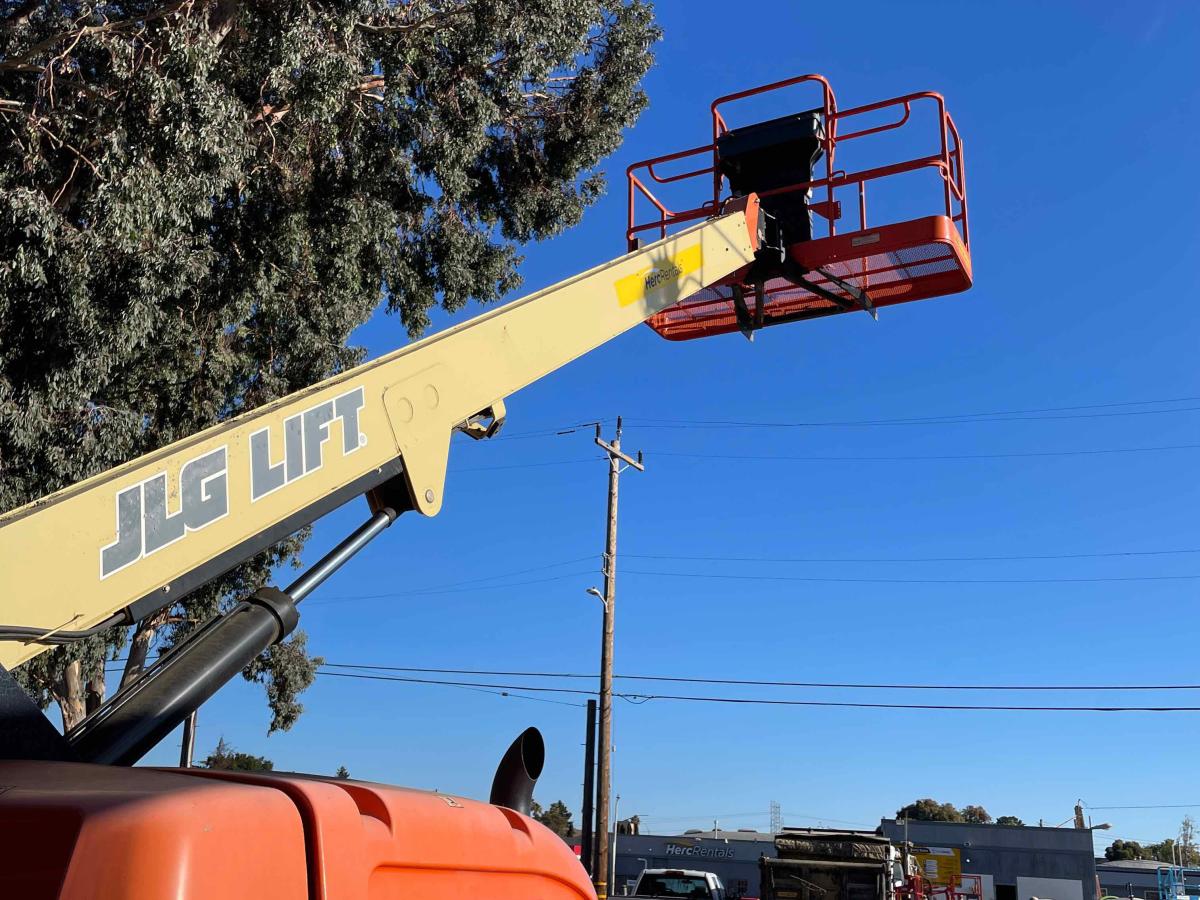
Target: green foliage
[
  {"x": 1120, "y": 849},
  {"x": 285, "y": 670},
  {"x": 342, "y": 772},
  {"x": 1009, "y": 820},
  {"x": 225, "y": 757},
  {"x": 1163, "y": 851},
  {"x": 557, "y": 818},
  {"x": 1171, "y": 850},
  {"x": 929, "y": 810},
  {"x": 200, "y": 201},
  {"x": 976, "y": 815}
]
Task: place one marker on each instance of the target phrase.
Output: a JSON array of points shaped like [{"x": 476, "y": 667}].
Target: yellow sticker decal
[{"x": 638, "y": 286}]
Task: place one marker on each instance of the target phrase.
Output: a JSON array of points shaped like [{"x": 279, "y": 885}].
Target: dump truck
[
  {"x": 758, "y": 247},
  {"x": 816, "y": 864}
]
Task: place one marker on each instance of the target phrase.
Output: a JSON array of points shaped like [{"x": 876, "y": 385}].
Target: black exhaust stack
[{"x": 518, "y": 772}]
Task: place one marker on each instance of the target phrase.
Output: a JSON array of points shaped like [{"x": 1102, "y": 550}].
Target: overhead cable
[{"x": 760, "y": 701}]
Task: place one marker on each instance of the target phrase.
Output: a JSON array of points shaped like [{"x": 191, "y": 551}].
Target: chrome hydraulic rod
[{"x": 339, "y": 555}]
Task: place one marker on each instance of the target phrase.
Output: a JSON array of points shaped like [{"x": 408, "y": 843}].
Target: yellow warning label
[
  {"x": 639, "y": 285},
  {"x": 941, "y": 865}
]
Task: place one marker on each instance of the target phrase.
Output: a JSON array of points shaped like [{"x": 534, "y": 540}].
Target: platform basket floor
[{"x": 894, "y": 264}]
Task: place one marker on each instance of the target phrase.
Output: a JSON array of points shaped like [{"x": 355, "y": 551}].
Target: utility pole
[
  {"x": 188, "y": 745},
  {"x": 605, "y": 742},
  {"x": 586, "y": 849}
]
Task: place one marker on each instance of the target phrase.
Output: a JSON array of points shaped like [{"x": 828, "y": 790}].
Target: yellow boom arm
[{"x": 139, "y": 535}]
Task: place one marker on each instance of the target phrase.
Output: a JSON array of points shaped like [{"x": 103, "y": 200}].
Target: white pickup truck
[{"x": 679, "y": 884}]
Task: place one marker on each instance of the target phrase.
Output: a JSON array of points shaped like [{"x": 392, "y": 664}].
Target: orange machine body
[{"x": 82, "y": 831}]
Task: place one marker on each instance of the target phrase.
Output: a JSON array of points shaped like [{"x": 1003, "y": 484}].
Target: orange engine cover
[{"x": 74, "y": 831}]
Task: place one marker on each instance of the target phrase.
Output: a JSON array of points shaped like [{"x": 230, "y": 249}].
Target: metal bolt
[{"x": 429, "y": 496}]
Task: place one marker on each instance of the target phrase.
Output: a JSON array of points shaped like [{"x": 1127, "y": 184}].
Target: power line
[
  {"x": 701, "y": 817},
  {"x": 514, "y": 572},
  {"x": 792, "y": 815},
  {"x": 847, "y": 458},
  {"x": 683, "y": 424},
  {"x": 461, "y": 590},
  {"x": 748, "y": 682},
  {"x": 527, "y": 697},
  {"x": 1152, "y": 806},
  {"x": 945, "y": 418},
  {"x": 909, "y": 559},
  {"x": 485, "y": 582},
  {"x": 1052, "y": 409},
  {"x": 818, "y": 579},
  {"x": 854, "y": 458},
  {"x": 759, "y": 701},
  {"x": 474, "y": 584},
  {"x": 962, "y": 419},
  {"x": 554, "y": 432},
  {"x": 497, "y": 690},
  {"x": 769, "y": 683},
  {"x": 464, "y": 685},
  {"x": 532, "y": 465},
  {"x": 760, "y": 815}
]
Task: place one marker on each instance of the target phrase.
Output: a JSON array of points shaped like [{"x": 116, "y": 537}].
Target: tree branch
[
  {"x": 21, "y": 63},
  {"x": 22, "y": 13},
  {"x": 428, "y": 23}
]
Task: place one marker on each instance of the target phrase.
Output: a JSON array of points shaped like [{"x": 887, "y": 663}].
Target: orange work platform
[
  {"x": 785, "y": 170},
  {"x": 84, "y": 831}
]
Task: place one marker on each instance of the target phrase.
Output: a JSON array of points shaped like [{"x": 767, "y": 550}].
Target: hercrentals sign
[{"x": 700, "y": 852}]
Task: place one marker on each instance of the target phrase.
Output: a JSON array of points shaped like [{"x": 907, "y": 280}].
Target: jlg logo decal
[
  {"x": 144, "y": 524},
  {"x": 304, "y": 437}
]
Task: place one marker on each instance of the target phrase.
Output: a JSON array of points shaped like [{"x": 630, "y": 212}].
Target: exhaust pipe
[{"x": 518, "y": 772}]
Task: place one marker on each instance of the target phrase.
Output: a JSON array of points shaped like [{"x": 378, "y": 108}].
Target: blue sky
[{"x": 1080, "y": 122}]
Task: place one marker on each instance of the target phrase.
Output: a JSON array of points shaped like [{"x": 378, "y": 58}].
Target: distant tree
[
  {"x": 1163, "y": 851},
  {"x": 557, "y": 818},
  {"x": 929, "y": 810},
  {"x": 1174, "y": 850},
  {"x": 1009, "y": 820},
  {"x": 225, "y": 757},
  {"x": 976, "y": 815},
  {"x": 1187, "y": 842},
  {"x": 1120, "y": 849},
  {"x": 342, "y": 772}
]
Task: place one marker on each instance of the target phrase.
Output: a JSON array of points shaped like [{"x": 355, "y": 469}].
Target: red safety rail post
[
  {"x": 666, "y": 216},
  {"x": 961, "y": 186},
  {"x": 878, "y": 263},
  {"x": 977, "y": 892},
  {"x": 948, "y": 160}
]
